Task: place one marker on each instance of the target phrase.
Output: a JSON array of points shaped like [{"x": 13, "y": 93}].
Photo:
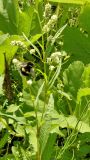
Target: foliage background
[{"x": 65, "y": 131}]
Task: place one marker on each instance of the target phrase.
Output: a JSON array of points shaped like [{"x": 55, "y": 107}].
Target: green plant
[{"x": 52, "y": 102}]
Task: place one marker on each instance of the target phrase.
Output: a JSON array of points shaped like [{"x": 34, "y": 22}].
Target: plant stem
[
  {"x": 38, "y": 156},
  {"x": 70, "y": 108}
]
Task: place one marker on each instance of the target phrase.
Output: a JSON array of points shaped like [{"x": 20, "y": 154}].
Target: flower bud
[
  {"x": 54, "y": 18},
  {"x": 29, "y": 82},
  {"x": 56, "y": 57},
  {"x": 14, "y": 61},
  {"x": 46, "y": 28},
  {"x": 32, "y": 51},
  {"x": 51, "y": 68},
  {"x": 49, "y": 60},
  {"x": 47, "y": 12},
  {"x": 18, "y": 43},
  {"x": 56, "y": 54}
]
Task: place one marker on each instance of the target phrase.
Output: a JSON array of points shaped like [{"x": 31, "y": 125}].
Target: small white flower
[
  {"x": 20, "y": 94},
  {"x": 13, "y": 43},
  {"x": 61, "y": 43},
  {"x": 49, "y": 60},
  {"x": 56, "y": 54},
  {"x": 47, "y": 12},
  {"x": 54, "y": 18},
  {"x": 56, "y": 57},
  {"x": 18, "y": 43},
  {"x": 64, "y": 53},
  {"x": 29, "y": 82},
  {"x": 14, "y": 61},
  {"x": 51, "y": 68},
  {"x": 32, "y": 51},
  {"x": 46, "y": 28},
  {"x": 48, "y": 6}
]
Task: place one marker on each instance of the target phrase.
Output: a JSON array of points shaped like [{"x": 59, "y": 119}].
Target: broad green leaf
[
  {"x": 29, "y": 114},
  {"x": 83, "y": 19},
  {"x": 3, "y": 123},
  {"x": 46, "y": 155},
  {"x": 4, "y": 140},
  {"x": 72, "y": 75},
  {"x": 51, "y": 103},
  {"x": 7, "y": 48},
  {"x": 84, "y": 150},
  {"x": 38, "y": 94},
  {"x": 3, "y": 38},
  {"x": 74, "y": 123},
  {"x": 76, "y": 43},
  {"x": 20, "y": 130},
  {"x": 20, "y": 120},
  {"x": 23, "y": 154},
  {"x": 15, "y": 152},
  {"x": 84, "y": 137},
  {"x": 72, "y": 80},
  {"x": 67, "y": 155},
  {"x": 70, "y": 1},
  {"x": 25, "y": 20},
  {"x": 35, "y": 38},
  {"x": 81, "y": 93},
  {"x": 9, "y": 157},
  {"x": 82, "y": 108},
  {"x": 55, "y": 76},
  {"x": 1, "y": 84},
  {"x": 81, "y": 126},
  {"x": 33, "y": 138},
  {"x": 9, "y": 16},
  {"x": 51, "y": 114},
  {"x": 37, "y": 18},
  {"x": 16, "y": 20},
  {"x": 12, "y": 108},
  {"x": 86, "y": 76},
  {"x": 44, "y": 135}
]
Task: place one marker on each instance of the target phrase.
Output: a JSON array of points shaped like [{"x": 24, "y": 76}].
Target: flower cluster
[
  {"x": 73, "y": 16},
  {"x": 47, "y": 12},
  {"x": 16, "y": 62},
  {"x": 50, "y": 24},
  {"x": 55, "y": 58},
  {"x": 50, "y": 38},
  {"x": 18, "y": 43}
]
